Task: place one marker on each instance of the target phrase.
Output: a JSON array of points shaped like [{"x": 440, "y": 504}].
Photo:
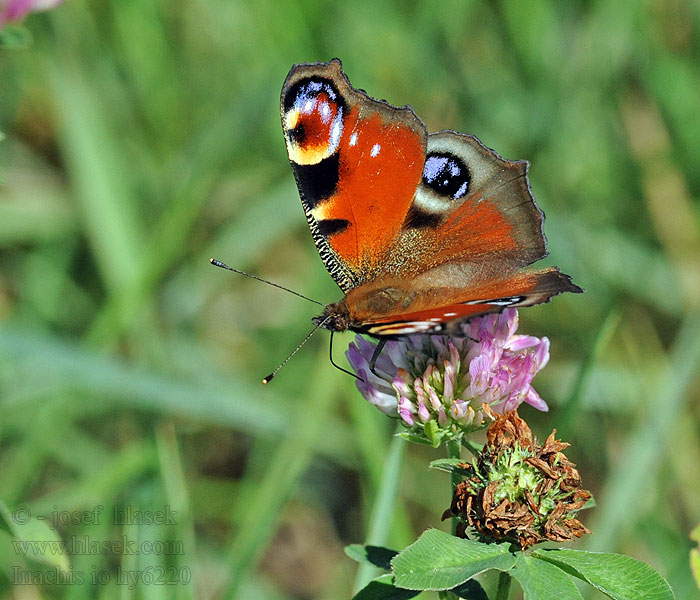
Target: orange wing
[{"x": 357, "y": 162}]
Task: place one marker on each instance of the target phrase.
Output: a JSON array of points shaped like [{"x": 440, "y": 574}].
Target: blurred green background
[{"x": 143, "y": 137}]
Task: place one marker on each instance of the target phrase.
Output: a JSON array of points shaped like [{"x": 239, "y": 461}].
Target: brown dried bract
[{"x": 545, "y": 513}]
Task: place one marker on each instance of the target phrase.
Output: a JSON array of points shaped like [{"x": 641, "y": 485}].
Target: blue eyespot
[{"x": 446, "y": 174}]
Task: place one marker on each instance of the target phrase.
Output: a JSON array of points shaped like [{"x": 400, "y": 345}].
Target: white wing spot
[
  {"x": 336, "y": 132},
  {"x": 375, "y": 150},
  {"x": 451, "y": 314},
  {"x": 353, "y": 139}
]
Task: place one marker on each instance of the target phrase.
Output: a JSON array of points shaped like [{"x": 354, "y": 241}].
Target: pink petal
[
  {"x": 533, "y": 399},
  {"x": 442, "y": 417},
  {"x": 434, "y": 400},
  {"x": 383, "y": 398},
  {"x": 423, "y": 412},
  {"x": 448, "y": 383},
  {"x": 399, "y": 383},
  {"x": 406, "y": 411},
  {"x": 542, "y": 354},
  {"x": 459, "y": 409},
  {"x": 521, "y": 342}
]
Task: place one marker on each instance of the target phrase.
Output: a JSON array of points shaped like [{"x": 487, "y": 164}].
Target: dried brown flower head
[{"x": 517, "y": 490}]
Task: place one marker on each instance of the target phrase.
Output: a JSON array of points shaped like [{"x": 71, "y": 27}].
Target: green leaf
[
  {"x": 33, "y": 538},
  {"x": 618, "y": 576},
  {"x": 470, "y": 590},
  {"x": 474, "y": 447},
  {"x": 374, "y": 555},
  {"x": 440, "y": 561},
  {"x": 412, "y": 437},
  {"x": 432, "y": 433},
  {"x": 383, "y": 588},
  {"x": 451, "y": 465},
  {"x": 540, "y": 579}
]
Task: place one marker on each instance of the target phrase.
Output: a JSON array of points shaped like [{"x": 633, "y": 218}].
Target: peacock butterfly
[{"x": 421, "y": 232}]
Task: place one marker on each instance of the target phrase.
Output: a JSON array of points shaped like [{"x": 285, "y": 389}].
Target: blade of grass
[
  {"x": 645, "y": 449},
  {"x": 177, "y": 498},
  {"x": 571, "y": 407},
  {"x": 384, "y": 506},
  {"x": 97, "y": 166},
  {"x": 239, "y": 405},
  {"x": 259, "y": 517},
  {"x": 106, "y": 483}
]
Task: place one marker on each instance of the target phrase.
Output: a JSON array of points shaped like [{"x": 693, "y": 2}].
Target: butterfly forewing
[{"x": 357, "y": 162}]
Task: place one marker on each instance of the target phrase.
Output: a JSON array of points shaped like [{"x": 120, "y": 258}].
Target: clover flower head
[
  {"x": 518, "y": 490},
  {"x": 436, "y": 384}
]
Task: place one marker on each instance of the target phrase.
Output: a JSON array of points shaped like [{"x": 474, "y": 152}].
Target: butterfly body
[{"x": 421, "y": 232}]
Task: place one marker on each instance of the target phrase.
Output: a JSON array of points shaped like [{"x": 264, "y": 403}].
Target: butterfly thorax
[{"x": 352, "y": 312}]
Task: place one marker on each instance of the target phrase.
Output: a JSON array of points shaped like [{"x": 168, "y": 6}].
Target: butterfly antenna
[
  {"x": 286, "y": 360},
  {"x": 218, "y": 263}
]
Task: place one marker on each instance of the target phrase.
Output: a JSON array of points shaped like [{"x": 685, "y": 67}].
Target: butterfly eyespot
[
  {"x": 313, "y": 120},
  {"x": 446, "y": 174}
]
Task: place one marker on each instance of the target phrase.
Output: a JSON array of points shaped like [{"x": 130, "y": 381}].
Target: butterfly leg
[
  {"x": 337, "y": 366},
  {"x": 375, "y": 355}
]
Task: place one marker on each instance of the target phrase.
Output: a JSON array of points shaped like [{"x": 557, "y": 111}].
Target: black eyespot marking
[
  {"x": 446, "y": 174},
  {"x": 309, "y": 88},
  {"x": 317, "y": 182},
  {"x": 298, "y": 134},
  {"x": 329, "y": 227}
]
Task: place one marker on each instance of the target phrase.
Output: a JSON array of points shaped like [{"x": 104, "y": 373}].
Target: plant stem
[
  {"x": 473, "y": 447},
  {"x": 385, "y": 500},
  {"x": 454, "y": 450},
  {"x": 503, "y": 590}
]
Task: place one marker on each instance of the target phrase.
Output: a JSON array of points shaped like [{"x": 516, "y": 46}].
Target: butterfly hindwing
[
  {"x": 497, "y": 216},
  {"x": 436, "y": 310},
  {"x": 472, "y": 207}
]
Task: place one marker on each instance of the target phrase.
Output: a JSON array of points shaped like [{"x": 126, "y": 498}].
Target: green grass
[{"x": 144, "y": 137}]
